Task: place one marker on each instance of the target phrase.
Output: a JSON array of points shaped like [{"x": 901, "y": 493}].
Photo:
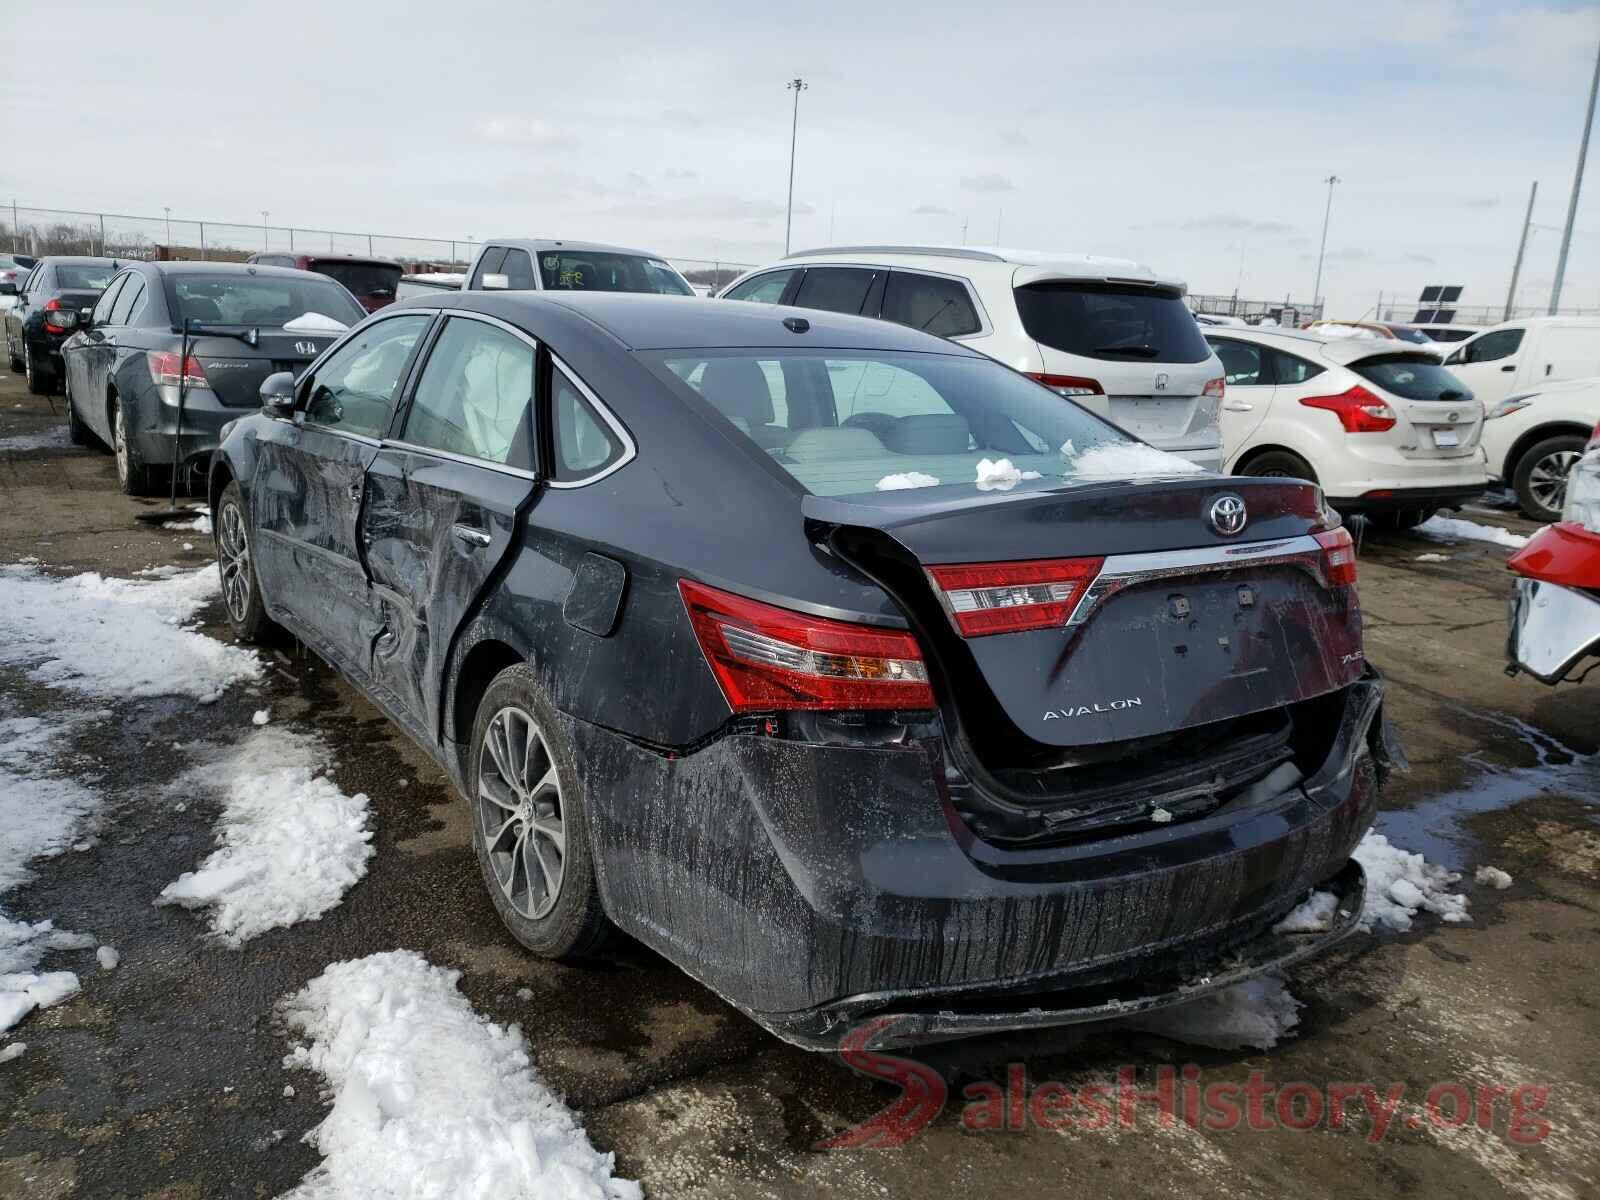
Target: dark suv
[
  {"x": 49, "y": 303},
  {"x": 370, "y": 280}
]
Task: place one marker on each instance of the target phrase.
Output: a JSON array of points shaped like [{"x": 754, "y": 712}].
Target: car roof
[
  {"x": 349, "y": 258},
  {"x": 1341, "y": 350},
  {"x": 650, "y": 322},
  {"x": 1062, "y": 263},
  {"x": 92, "y": 259},
  {"x": 536, "y": 244},
  {"x": 170, "y": 266}
]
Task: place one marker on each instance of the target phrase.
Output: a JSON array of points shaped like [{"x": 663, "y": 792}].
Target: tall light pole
[
  {"x": 167, "y": 208},
  {"x": 1522, "y": 247},
  {"x": 796, "y": 85},
  {"x": 264, "y": 215},
  {"x": 1577, "y": 183},
  {"x": 1316, "y": 288}
]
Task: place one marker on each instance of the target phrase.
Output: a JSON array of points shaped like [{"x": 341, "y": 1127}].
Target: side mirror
[
  {"x": 496, "y": 283},
  {"x": 85, "y": 318},
  {"x": 277, "y": 394}
]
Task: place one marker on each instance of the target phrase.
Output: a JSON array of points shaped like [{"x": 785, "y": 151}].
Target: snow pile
[
  {"x": 108, "y": 958},
  {"x": 429, "y": 1098},
  {"x": 1254, "y": 1013},
  {"x": 1334, "y": 330},
  {"x": 1492, "y": 877},
  {"x": 1399, "y": 885},
  {"x": 1314, "y": 914},
  {"x": 1126, "y": 460},
  {"x": 1433, "y": 558},
  {"x": 201, "y": 524},
  {"x": 910, "y": 479},
  {"x": 121, "y": 638},
  {"x": 1000, "y": 475},
  {"x": 315, "y": 322},
  {"x": 1455, "y": 529},
  {"x": 291, "y": 843},
  {"x": 13, "y": 1052}
]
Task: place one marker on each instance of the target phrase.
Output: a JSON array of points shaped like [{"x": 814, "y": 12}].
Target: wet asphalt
[{"x": 164, "y": 1077}]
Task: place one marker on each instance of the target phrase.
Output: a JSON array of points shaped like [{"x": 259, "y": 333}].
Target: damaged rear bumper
[{"x": 815, "y": 882}]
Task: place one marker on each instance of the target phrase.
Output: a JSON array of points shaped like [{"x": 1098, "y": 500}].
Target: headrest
[
  {"x": 833, "y": 445},
  {"x": 737, "y": 387},
  {"x": 933, "y": 433}
]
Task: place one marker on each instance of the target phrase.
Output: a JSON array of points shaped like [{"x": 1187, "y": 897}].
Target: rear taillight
[
  {"x": 58, "y": 319},
  {"x": 1594, "y": 438},
  {"x": 1358, "y": 410},
  {"x": 1069, "y": 385},
  {"x": 985, "y": 598},
  {"x": 1338, "y": 556},
  {"x": 768, "y": 658},
  {"x": 164, "y": 369},
  {"x": 1215, "y": 387}
]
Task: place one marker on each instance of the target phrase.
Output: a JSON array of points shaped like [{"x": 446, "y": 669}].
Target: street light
[
  {"x": 1316, "y": 288},
  {"x": 167, "y": 208},
  {"x": 264, "y": 215},
  {"x": 796, "y": 86},
  {"x": 1577, "y": 183}
]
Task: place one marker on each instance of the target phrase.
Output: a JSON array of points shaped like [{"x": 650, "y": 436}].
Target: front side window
[
  {"x": 584, "y": 443},
  {"x": 474, "y": 394},
  {"x": 354, "y": 390},
  {"x": 930, "y": 303},
  {"x": 835, "y": 289},
  {"x": 1243, "y": 363},
  {"x": 763, "y": 289},
  {"x": 244, "y": 299},
  {"x": 489, "y": 264},
  {"x": 518, "y": 270},
  {"x": 869, "y": 423},
  {"x": 604, "y": 271},
  {"x": 131, "y": 300},
  {"x": 102, "y": 308},
  {"x": 1111, "y": 321},
  {"x": 1492, "y": 347}
]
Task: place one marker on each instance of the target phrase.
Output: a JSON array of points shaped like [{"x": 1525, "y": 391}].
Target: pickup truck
[{"x": 541, "y": 264}]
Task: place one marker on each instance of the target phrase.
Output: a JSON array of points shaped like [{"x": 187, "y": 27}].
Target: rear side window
[
  {"x": 1291, "y": 368},
  {"x": 1412, "y": 378},
  {"x": 474, "y": 394},
  {"x": 1243, "y": 363},
  {"x": 1491, "y": 347},
  {"x": 763, "y": 289},
  {"x": 927, "y": 302},
  {"x": 130, "y": 303},
  {"x": 584, "y": 444},
  {"x": 835, "y": 289},
  {"x": 1116, "y": 322}
]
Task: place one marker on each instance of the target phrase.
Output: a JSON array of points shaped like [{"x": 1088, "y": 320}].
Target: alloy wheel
[
  {"x": 233, "y": 552},
  {"x": 519, "y": 812},
  {"x": 1547, "y": 482},
  {"x": 119, "y": 444},
  {"x": 27, "y": 363}
]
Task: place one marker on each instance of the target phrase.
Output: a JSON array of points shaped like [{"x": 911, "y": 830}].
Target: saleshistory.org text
[{"x": 1180, "y": 1095}]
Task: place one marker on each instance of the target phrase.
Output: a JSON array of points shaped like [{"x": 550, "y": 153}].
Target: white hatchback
[
  {"x": 1109, "y": 333},
  {"x": 1382, "y": 427}
]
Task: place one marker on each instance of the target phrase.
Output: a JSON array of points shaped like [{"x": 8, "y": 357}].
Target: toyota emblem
[{"x": 1228, "y": 515}]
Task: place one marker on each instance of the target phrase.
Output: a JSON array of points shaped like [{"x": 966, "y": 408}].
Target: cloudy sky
[{"x": 1192, "y": 137}]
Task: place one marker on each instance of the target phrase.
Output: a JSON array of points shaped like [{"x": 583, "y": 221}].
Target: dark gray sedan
[
  {"x": 55, "y": 295},
  {"x": 871, "y": 682},
  {"x": 125, "y": 368}
]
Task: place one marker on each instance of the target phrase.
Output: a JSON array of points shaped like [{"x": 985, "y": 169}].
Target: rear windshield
[
  {"x": 1412, "y": 378},
  {"x": 591, "y": 271},
  {"x": 1415, "y": 336},
  {"x": 86, "y": 277},
  {"x": 257, "y": 300},
  {"x": 363, "y": 279},
  {"x": 1118, "y": 322},
  {"x": 870, "y": 423}
]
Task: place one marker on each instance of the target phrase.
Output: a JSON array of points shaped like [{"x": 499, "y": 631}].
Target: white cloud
[{"x": 988, "y": 182}]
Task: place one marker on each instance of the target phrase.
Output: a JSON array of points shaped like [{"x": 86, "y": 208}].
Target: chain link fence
[
  {"x": 1476, "y": 315},
  {"x": 41, "y": 231},
  {"x": 1253, "y": 312}
]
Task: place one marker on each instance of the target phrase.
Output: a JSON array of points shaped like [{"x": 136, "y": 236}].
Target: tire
[
  {"x": 1400, "y": 519},
  {"x": 572, "y": 924},
  {"x": 241, "y": 590},
  {"x": 1280, "y": 464},
  {"x": 41, "y": 381},
  {"x": 134, "y": 477},
  {"x": 11, "y": 353},
  {"x": 1540, "y": 480},
  {"x": 78, "y": 433}
]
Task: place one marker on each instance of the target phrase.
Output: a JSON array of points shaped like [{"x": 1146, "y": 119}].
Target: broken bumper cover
[
  {"x": 1553, "y": 628},
  {"x": 815, "y": 883}
]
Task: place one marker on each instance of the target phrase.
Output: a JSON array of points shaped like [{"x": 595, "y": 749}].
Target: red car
[
  {"x": 1555, "y": 603},
  {"x": 370, "y": 280}
]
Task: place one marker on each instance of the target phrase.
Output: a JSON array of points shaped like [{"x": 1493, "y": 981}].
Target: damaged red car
[{"x": 854, "y": 672}]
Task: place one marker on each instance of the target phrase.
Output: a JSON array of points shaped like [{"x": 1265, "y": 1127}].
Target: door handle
[
  {"x": 1239, "y": 406},
  {"x": 1509, "y": 367},
  {"x": 471, "y": 535}
]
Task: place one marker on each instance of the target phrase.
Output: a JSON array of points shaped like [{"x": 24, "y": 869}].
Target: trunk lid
[
  {"x": 236, "y": 370},
  {"x": 1181, "y": 626},
  {"x": 1437, "y": 416}
]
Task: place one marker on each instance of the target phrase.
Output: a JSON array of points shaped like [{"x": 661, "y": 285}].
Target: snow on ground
[
  {"x": 1399, "y": 885},
  {"x": 290, "y": 842},
  {"x": 200, "y": 524},
  {"x": 429, "y": 1098},
  {"x": 122, "y": 638},
  {"x": 1255, "y": 1013},
  {"x": 1125, "y": 460},
  {"x": 51, "y": 439},
  {"x": 909, "y": 479},
  {"x": 1455, "y": 529},
  {"x": 1492, "y": 877}
]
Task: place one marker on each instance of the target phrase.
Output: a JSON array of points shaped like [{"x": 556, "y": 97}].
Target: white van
[
  {"x": 1519, "y": 356},
  {"x": 1108, "y": 333}
]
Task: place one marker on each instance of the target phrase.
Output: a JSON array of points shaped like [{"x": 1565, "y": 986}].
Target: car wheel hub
[
  {"x": 234, "y": 552},
  {"x": 1547, "y": 482},
  {"x": 520, "y": 813}
]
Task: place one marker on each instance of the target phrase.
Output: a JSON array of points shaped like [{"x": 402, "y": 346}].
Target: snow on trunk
[{"x": 429, "y": 1098}]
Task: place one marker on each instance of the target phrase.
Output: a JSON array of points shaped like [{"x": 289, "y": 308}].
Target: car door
[
  {"x": 444, "y": 498},
  {"x": 1560, "y": 352},
  {"x": 1488, "y": 363},
  {"x": 309, "y": 481},
  {"x": 90, "y": 356},
  {"x": 1247, "y": 371}
]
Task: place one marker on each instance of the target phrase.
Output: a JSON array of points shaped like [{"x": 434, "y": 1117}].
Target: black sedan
[
  {"x": 852, "y": 671},
  {"x": 126, "y": 369},
  {"x": 54, "y": 295}
]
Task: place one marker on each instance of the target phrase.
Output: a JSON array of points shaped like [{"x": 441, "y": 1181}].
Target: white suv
[
  {"x": 1380, "y": 425},
  {"x": 1109, "y": 333}
]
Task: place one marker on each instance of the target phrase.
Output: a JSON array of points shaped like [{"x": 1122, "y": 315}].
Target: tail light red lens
[
  {"x": 1215, "y": 387},
  {"x": 164, "y": 369},
  {"x": 1358, "y": 410},
  {"x": 1338, "y": 556},
  {"x": 1594, "y": 438},
  {"x": 58, "y": 319},
  {"x": 1069, "y": 385},
  {"x": 985, "y": 598},
  {"x": 767, "y": 658}
]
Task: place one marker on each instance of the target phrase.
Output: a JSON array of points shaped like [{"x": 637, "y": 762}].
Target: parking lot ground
[{"x": 164, "y": 1077}]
